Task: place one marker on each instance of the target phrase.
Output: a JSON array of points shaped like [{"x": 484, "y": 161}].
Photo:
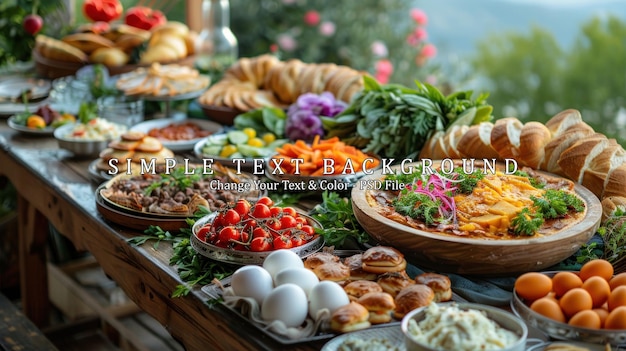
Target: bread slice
[
  {"x": 616, "y": 182},
  {"x": 505, "y": 137},
  {"x": 451, "y": 140},
  {"x": 576, "y": 159},
  {"x": 533, "y": 139},
  {"x": 560, "y": 142},
  {"x": 563, "y": 120},
  {"x": 610, "y": 204},
  {"x": 476, "y": 142},
  {"x": 595, "y": 176}
]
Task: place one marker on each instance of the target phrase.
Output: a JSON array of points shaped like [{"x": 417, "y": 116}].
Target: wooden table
[{"x": 53, "y": 187}]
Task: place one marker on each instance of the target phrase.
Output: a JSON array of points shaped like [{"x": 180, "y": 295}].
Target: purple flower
[{"x": 303, "y": 116}]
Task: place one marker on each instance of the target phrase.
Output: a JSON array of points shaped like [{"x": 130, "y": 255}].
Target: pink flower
[
  {"x": 312, "y": 18},
  {"x": 420, "y": 33},
  {"x": 384, "y": 67},
  {"x": 379, "y": 49},
  {"x": 412, "y": 40},
  {"x": 381, "y": 78},
  {"x": 428, "y": 51},
  {"x": 327, "y": 28},
  {"x": 419, "y": 16},
  {"x": 431, "y": 79},
  {"x": 287, "y": 42}
]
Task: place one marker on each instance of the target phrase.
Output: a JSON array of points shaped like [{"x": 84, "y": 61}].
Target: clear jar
[{"x": 217, "y": 45}]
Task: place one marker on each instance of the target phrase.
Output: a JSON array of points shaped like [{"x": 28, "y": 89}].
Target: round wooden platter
[{"x": 450, "y": 254}]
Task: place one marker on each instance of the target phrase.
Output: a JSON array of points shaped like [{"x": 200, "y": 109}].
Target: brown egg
[
  {"x": 532, "y": 286},
  {"x": 600, "y": 267},
  {"x": 617, "y": 280},
  {"x": 599, "y": 290},
  {"x": 617, "y": 298},
  {"x": 574, "y": 301},
  {"x": 564, "y": 281},
  {"x": 548, "y": 307},
  {"x": 602, "y": 313},
  {"x": 616, "y": 319},
  {"x": 586, "y": 319}
]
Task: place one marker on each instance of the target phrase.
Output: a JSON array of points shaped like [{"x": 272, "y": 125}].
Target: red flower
[
  {"x": 312, "y": 18},
  {"x": 419, "y": 16},
  {"x": 384, "y": 67}
]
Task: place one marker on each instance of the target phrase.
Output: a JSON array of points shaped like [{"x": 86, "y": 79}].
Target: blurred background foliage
[{"x": 528, "y": 75}]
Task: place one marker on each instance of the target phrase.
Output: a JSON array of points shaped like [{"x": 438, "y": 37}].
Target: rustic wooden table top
[{"x": 55, "y": 187}]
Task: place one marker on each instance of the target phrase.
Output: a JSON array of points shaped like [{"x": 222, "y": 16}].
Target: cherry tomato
[
  {"x": 307, "y": 229},
  {"x": 227, "y": 234},
  {"x": 276, "y": 211},
  {"x": 242, "y": 207},
  {"x": 218, "y": 221},
  {"x": 260, "y": 233},
  {"x": 266, "y": 201},
  {"x": 287, "y": 221},
  {"x": 203, "y": 232},
  {"x": 290, "y": 211},
  {"x": 249, "y": 224},
  {"x": 231, "y": 217},
  {"x": 260, "y": 244},
  {"x": 297, "y": 240},
  {"x": 260, "y": 211},
  {"x": 245, "y": 236},
  {"x": 282, "y": 242},
  {"x": 301, "y": 220},
  {"x": 273, "y": 224}
]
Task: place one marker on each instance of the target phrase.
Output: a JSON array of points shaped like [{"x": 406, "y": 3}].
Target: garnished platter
[
  {"x": 178, "y": 135},
  {"x": 447, "y": 251},
  {"x": 48, "y": 130}
]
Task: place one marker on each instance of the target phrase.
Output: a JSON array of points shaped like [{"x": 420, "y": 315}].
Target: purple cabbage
[{"x": 303, "y": 116}]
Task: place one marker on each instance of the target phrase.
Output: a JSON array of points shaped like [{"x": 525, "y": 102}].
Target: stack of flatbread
[
  {"x": 162, "y": 80},
  {"x": 138, "y": 148}
]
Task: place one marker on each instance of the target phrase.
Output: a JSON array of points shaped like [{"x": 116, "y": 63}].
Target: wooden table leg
[{"x": 33, "y": 233}]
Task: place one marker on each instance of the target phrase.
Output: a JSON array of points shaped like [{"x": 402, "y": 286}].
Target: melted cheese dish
[{"x": 495, "y": 206}]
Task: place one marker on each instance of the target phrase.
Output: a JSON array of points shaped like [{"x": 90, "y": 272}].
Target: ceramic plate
[
  {"x": 31, "y": 131},
  {"x": 178, "y": 145},
  {"x": 10, "y": 89}
]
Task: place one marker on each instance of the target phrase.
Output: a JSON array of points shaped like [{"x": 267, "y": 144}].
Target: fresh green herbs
[
  {"x": 419, "y": 206},
  {"x": 613, "y": 233},
  {"x": 394, "y": 121},
  {"x": 467, "y": 181},
  {"x": 178, "y": 178},
  {"x": 526, "y": 223},
  {"x": 533, "y": 181},
  {"x": 336, "y": 216}
]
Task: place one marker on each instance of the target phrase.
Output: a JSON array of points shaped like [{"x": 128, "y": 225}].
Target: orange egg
[
  {"x": 617, "y": 298},
  {"x": 574, "y": 301},
  {"x": 600, "y": 267},
  {"x": 565, "y": 281},
  {"x": 548, "y": 307},
  {"x": 586, "y": 319},
  {"x": 532, "y": 286},
  {"x": 599, "y": 290},
  {"x": 616, "y": 319},
  {"x": 602, "y": 313},
  {"x": 617, "y": 280}
]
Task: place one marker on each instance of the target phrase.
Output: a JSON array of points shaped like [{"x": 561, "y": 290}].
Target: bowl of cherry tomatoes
[{"x": 247, "y": 231}]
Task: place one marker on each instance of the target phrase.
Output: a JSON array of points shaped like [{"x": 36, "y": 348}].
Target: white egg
[
  {"x": 302, "y": 277},
  {"x": 327, "y": 294},
  {"x": 280, "y": 259},
  {"x": 286, "y": 303},
  {"x": 252, "y": 281}
]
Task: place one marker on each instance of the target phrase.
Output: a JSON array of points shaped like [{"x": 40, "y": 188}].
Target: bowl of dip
[
  {"x": 88, "y": 139},
  {"x": 457, "y": 326}
]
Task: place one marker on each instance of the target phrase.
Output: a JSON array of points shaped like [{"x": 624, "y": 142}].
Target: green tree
[{"x": 531, "y": 77}]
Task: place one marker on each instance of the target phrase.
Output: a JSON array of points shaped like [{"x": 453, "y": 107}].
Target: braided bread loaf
[
  {"x": 264, "y": 80},
  {"x": 564, "y": 145}
]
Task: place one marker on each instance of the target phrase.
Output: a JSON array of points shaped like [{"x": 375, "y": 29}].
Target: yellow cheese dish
[{"x": 487, "y": 205}]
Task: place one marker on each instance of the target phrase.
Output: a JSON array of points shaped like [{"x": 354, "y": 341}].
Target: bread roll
[
  {"x": 560, "y": 143},
  {"x": 333, "y": 271},
  {"x": 382, "y": 259},
  {"x": 505, "y": 137},
  {"x": 355, "y": 264},
  {"x": 349, "y": 318},
  {"x": 393, "y": 282},
  {"x": 476, "y": 142},
  {"x": 319, "y": 258},
  {"x": 87, "y": 42},
  {"x": 533, "y": 139},
  {"x": 412, "y": 297},
  {"x": 595, "y": 176},
  {"x": 112, "y": 57},
  {"x": 358, "y": 288},
  {"x": 380, "y": 306},
  {"x": 439, "y": 283},
  {"x": 610, "y": 204}
]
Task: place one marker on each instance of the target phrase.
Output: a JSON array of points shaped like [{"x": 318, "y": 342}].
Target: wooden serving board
[{"x": 450, "y": 254}]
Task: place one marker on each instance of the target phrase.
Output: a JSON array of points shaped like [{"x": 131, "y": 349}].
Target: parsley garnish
[
  {"x": 338, "y": 221},
  {"x": 526, "y": 223}
]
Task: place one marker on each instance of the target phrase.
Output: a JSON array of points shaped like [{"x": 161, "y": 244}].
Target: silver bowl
[
  {"x": 503, "y": 318},
  {"x": 79, "y": 147}
]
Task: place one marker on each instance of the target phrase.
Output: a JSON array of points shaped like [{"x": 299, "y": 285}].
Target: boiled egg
[
  {"x": 302, "y": 277},
  {"x": 286, "y": 303},
  {"x": 326, "y": 295},
  {"x": 281, "y": 259},
  {"x": 252, "y": 281}
]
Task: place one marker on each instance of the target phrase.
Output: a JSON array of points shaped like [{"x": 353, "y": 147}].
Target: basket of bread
[{"x": 120, "y": 47}]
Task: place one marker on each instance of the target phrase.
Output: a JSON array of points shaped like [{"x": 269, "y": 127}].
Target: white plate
[
  {"x": 246, "y": 165},
  {"x": 32, "y": 131},
  {"x": 177, "y": 145},
  {"x": 10, "y": 88}
]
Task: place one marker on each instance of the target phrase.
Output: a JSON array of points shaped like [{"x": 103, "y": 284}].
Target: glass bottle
[{"x": 217, "y": 45}]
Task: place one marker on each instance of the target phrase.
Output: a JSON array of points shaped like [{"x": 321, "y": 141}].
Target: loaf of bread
[
  {"x": 565, "y": 145},
  {"x": 264, "y": 80}
]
